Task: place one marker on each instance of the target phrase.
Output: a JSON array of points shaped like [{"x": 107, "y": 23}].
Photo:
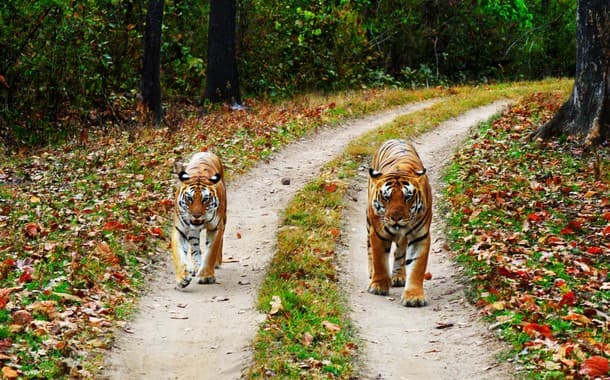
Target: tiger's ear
[
  {"x": 420, "y": 172},
  {"x": 374, "y": 173},
  {"x": 215, "y": 178}
]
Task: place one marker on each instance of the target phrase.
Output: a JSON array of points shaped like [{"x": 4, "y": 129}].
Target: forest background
[{"x": 69, "y": 65}]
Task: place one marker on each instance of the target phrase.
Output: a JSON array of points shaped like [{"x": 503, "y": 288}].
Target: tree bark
[
  {"x": 222, "y": 82},
  {"x": 151, "y": 70},
  {"x": 587, "y": 112}
]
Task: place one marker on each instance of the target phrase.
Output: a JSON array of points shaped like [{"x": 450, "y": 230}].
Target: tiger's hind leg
[
  {"x": 417, "y": 261},
  {"x": 379, "y": 251},
  {"x": 183, "y": 265}
]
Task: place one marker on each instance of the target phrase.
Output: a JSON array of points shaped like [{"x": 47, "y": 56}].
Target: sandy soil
[{"x": 205, "y": 331}]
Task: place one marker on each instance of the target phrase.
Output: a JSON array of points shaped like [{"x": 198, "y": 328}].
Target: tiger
[
  {"x": 399, "y": 211},
  {"x": 200, "y": 204}
]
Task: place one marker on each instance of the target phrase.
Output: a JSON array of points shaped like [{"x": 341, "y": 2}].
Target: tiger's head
[
  {"x": 397, "y": 198},
  {"x": 197, "y": 198}
]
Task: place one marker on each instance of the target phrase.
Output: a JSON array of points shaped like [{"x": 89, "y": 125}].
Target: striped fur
[
  {"x": 399, "y": 211},
  {"x": 200, "y": 204}
]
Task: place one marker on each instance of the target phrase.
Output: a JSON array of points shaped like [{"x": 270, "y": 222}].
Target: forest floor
[{"x": 205, "y": 331}]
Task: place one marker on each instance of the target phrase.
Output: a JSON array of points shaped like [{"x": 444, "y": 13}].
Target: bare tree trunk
[
  {"x": 151, "y": 71},
  {"x": 222, "y": 84},
  {"x": 587, "y": 112}
]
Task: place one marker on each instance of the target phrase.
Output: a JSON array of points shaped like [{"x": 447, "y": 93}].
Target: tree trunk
[
  {"x": 222, "y": 83},
  {"x": 151, "y": 70},
  {"x": 587, "y": 112}
]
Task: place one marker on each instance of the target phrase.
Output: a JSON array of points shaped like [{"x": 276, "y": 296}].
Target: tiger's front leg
[
  {"x": 379, "y": 250},
  {"x": 398, "y": 268},
  {"x": 183, "y": 265},
  {"x": 213, "y": 256},
  {"x": 417, "y": 261}
]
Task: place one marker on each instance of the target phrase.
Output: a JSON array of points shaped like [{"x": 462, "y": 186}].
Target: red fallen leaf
[
  {"x": 119, "y": 276},
  {"x": 595, "y": 366},
  {"x": 575, "y": 224},
  {"x": 595, "y": 250},
  {"x": 156, "y": 231},
  {"x": 606, "y": 215},
  {"x": 32, "y": 230},
  {"x": 534, "y": 217},
  {"x": 167, "y": 203},
  {"x": 554, "y": 240},
  {"x": 5, "y": 344},
  {"x": 567, "y": 231},
  {"x": 10, "y": 262},
  {"x": 330, "y": 187},
  {"x": 606, "y": 230},
  {"x": 568, "y": 299},
  {"x": 532, "y": 329},
  {"x": 26, "y": 276},
  {"x": 22, "y": 317},
  {"x": 103, "y": 251},
  {"x": 113, "y": 225},
  {"x": 135, "y": 238}
]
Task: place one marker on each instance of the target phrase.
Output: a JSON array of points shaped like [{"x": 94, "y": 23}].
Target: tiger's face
[
  {"x": 197, "y": 198},
  {"x": 396, "y": 200}
]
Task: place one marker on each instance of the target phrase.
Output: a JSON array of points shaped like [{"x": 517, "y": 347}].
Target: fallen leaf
[
  {"x": 330, "y": 187},
  {"x": 9, "y": 373},
  {"x": 595, "y": 366},
  {"x": 443, "y": 325},
  {"x": 307, "y": 339},
  {"x": 276, "y": 305},
  {"x": 22, "y": 317},
  {"x": 32, "y": 230},
  {"x": 332, "y": 327}
]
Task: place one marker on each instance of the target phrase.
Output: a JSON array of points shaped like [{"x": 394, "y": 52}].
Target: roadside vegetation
[
  {"x": 530, "y": 224},
  {"x": 308, "y": 332}
]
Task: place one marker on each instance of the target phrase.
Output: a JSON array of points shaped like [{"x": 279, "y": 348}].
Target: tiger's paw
[
  {"x": 183, "y": 283},
  {"x": 413, "y": 298},
  {"x": 379, "y": 288},
  {"x": 207, "y": 280},
  {"x": 398, "y": 280}
]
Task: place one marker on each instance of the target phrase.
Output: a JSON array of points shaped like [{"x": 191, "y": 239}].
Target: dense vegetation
[{"x": 70, "y": 65}]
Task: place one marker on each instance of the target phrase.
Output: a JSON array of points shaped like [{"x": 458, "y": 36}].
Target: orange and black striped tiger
[
  {"x": 200, "y": 204},
  {"x": 399, "y": 211}
]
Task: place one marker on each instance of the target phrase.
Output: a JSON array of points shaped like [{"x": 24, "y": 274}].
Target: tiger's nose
[{"x": 396, "y": 217}]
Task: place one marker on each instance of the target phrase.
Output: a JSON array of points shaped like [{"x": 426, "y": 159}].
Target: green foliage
[{"x": 69, "y": 66}]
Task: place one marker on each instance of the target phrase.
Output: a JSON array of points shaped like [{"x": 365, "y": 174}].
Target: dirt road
[
  {"x": 205, "y": 331},
  {"x": 443, "y": 340}
]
